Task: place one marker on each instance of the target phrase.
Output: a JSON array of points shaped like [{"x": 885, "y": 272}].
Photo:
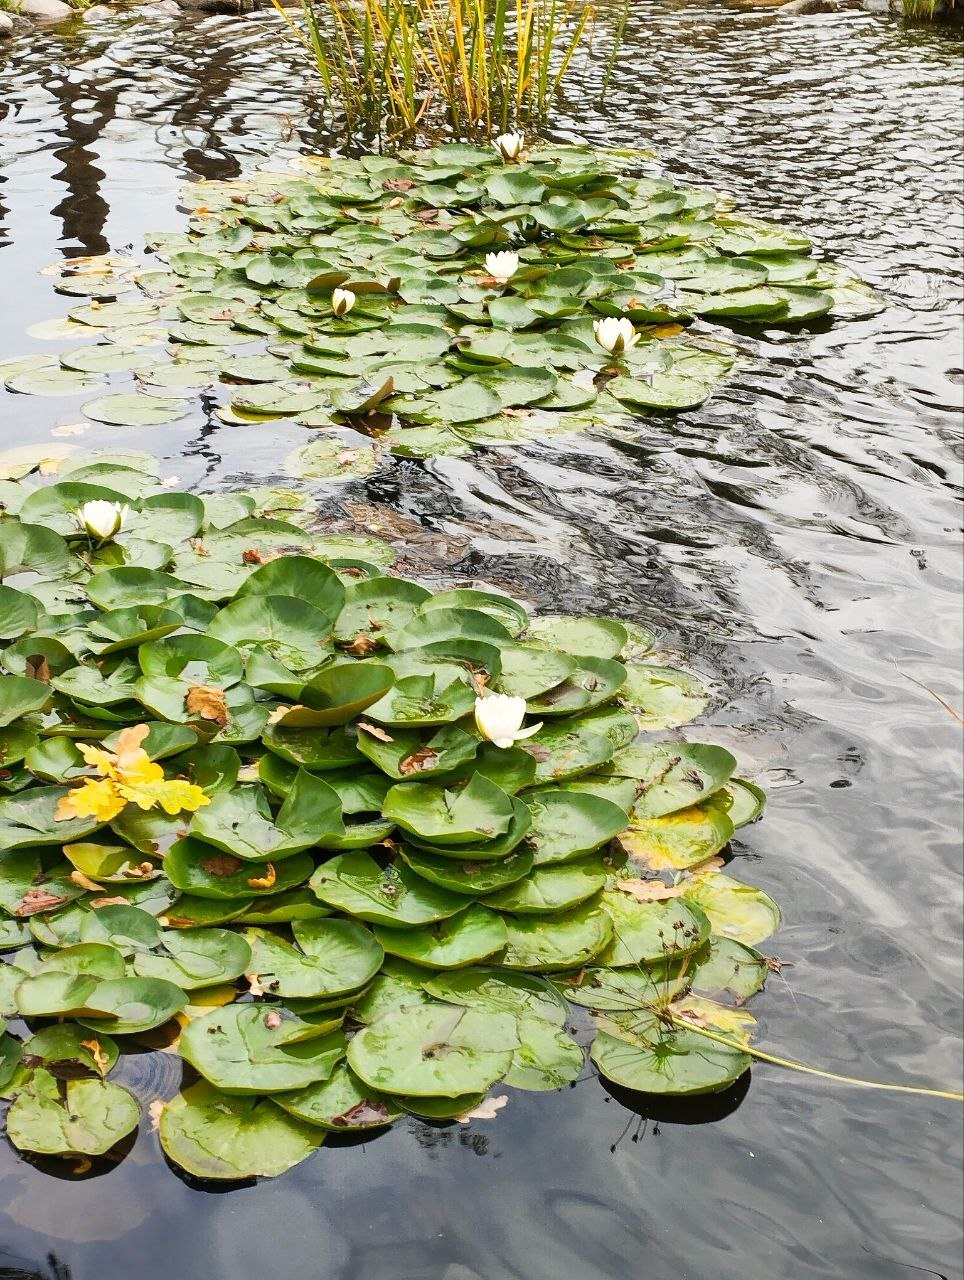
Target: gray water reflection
[{"x": 798, "y": 538}]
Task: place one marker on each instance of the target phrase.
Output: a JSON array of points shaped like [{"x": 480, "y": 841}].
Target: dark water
[{"x": 798, "y": 538}]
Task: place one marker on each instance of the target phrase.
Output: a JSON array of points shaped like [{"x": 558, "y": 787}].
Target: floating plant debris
[
  {"x": 432, "y": 303},
  {"x": 352, "y": 848}
]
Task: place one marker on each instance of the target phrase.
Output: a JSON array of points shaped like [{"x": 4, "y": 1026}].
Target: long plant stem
[{"x": 815, "y": 1071}]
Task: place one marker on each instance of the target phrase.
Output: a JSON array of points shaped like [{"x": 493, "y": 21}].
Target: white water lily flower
[
  {"x": 509, "y": 146},
  {"x": 498, "y": 717},
  {"x": 615, "y": 335},
  {"x": 342, "y": 301},
  {"x": 502, "y": 266},
  {"x": 103, "y": 520}
]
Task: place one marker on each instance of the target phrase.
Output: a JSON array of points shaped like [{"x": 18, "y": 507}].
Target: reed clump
[{"x": 471, "y": 66}]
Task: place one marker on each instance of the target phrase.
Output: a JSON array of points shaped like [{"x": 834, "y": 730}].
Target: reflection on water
[{"x": 799, "y": 536}]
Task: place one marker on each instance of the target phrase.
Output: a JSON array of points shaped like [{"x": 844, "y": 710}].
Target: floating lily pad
[
  {"x": 394, "y": 895},
  {"x": 547, "y": 890},
  {"x": 434, "y": 1051},
  {"x": 342, "y": 1104},
  {"x": 564, "y": 940},
  {"x": 135, "y": 410},
  {"x": 255, "y": 1049},
  {"x": 567, "y": 824},
  {"x": 91, "y": 1117},
  {"x": 663, "y": 697},
  {"x": 463, "y": 939},
  {"x": 217, "y": 1136},
  {"x": 332, "y": 957},
  {"x": 673, "y": 776},
  {"x": 641, "y": 1053},
  {"x": 648, "y": 932},
  {"x": 735, "y": 910}
]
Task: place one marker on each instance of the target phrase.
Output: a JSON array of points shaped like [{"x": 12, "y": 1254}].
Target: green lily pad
[
  {"x": 663, "y": 697},
  {"x": 135, "y": 410},
  {"x": 673, "y": 776},
  {"x": 547, "y": 890},
  {"x": 91, "y": 1117},
  {"x": 735, "y": 910},
  {"x": 649, "y": 932},
  {"x": 463, "y": 939},
  {"x": 224, "y": 1138},
  {"x": 355, "y": 884},
  {"x": 593, "y": 637},
  {"x": 332, "y": 957},
  {"x": 565, "y": 940},
  {"x": 679, "y": 840},
  {"x": 643, "y": 1054},
  {"x": 472, "y": 878},
  {"x": 547, "y": 1057},
  {"x": 434, "y": 1051},
  {"x": 479, "y": 812},
  {"x": 207, "y": 872},
  {"x": 240, "y": 821},
  {"x": 567, "y": 824},
  {"x": 341, "y": 1104},
  {"x": 255, "y": 1049}
]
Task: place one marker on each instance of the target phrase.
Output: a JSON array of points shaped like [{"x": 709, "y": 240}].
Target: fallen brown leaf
[
  {"x": 208, "y": 702},
  {"x": 650, "y": 890},
  {"x": 35, "y": 900},
  {"x": 254, "y": 984},
  {"x": 97, "y": 1053},
  {"x": 221, "y": 864},
  {"x": 155, "y": 1110},
  {"x": 487, "y": 1109},
  {"x": 85, "y": 882},
  {"x": 97, "y": 903},
  {"x": 375, "y": 731},
  {"x": 362, "y": 1113},
  {"x": 361, "y": 645},
  {"x": 37, "y": 668},
  {"x": 425, "y": 758}
]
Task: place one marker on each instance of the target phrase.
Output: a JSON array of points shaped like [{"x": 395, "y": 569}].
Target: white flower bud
[
  {"x": 101, "y": 520},
  {"x": 615, "y": 335},
  {"x": 509, "y": 146},
  {"x": 342, "y": 301},
  {"x": 498, "y": 717}
]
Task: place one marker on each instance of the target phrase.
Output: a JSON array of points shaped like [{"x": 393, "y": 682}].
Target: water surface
[{"x": 797, "y": 539}]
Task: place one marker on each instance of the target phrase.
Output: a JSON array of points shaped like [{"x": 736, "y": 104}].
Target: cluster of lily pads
[
  {"x": 432, "y": 302},
  {"x": 256, "y": 810}
]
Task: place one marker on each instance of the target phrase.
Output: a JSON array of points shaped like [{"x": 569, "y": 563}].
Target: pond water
[{"x": 798, "y": 540}]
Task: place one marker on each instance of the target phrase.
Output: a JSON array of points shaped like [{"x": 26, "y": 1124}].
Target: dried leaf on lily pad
[{"x": 209, "y": 703}]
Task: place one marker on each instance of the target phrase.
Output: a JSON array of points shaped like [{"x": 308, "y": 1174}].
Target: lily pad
[
  {"x": 224, "y": 1138},
  {"x": 91, "y": 1117},
  {"x": 434, "y": 1051}
]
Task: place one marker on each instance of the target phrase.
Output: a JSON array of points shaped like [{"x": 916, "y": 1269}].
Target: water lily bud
[
  {"x": 509, "y": 146},
  {"x": 502, "y": 265},
  {"x": 342, "y": 301},
  {"x": 103, "y": 520},
  {"x": 498, "y": 717},
  {"x": 615, "y": 335}
]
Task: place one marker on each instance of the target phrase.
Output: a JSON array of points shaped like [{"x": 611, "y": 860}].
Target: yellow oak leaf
[
  {"x": 172, "y": 795},
  {"x": 99, "y": 759},
  {"x": 94, "y": 798}
]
